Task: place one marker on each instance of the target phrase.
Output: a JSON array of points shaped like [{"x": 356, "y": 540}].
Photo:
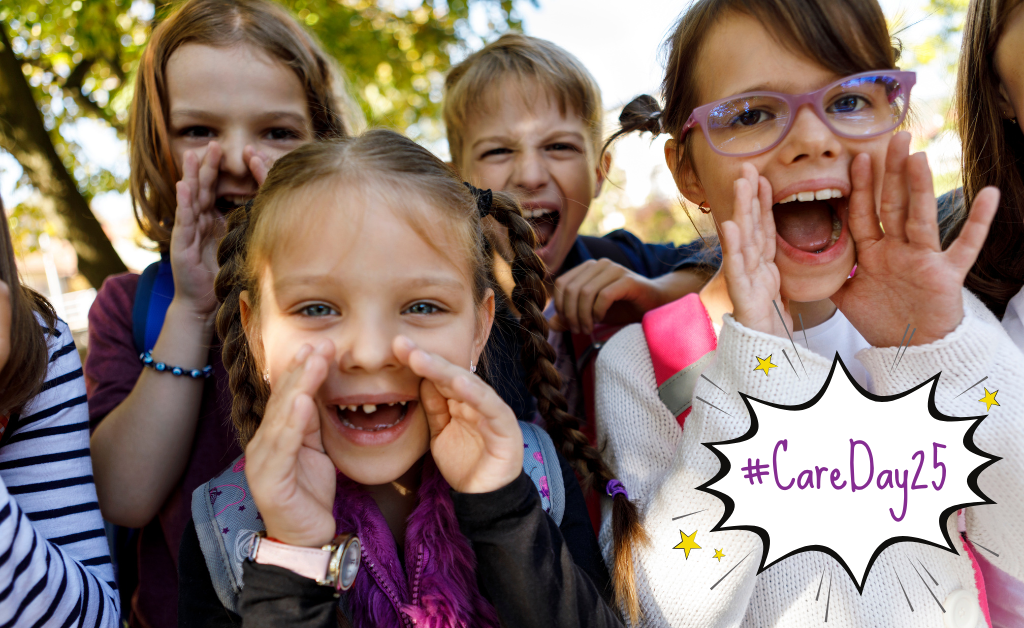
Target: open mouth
[
  {"x": 544, "y": 222},
  {"x": 226, "y": 204},
  {"x": 374, "y": 418},
  {"x": 811, "y": 221}
]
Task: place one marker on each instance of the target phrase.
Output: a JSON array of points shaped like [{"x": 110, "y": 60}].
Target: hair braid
[
  {"x": 544, "y": 382},
  {"x": 249, "y": 390}
]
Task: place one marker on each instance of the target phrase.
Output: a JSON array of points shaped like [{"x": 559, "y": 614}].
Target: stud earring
[
  {"x": 266, "y": 376},
  {"x": 472, "y": 367},
  {"x": 703, "y": 207}
]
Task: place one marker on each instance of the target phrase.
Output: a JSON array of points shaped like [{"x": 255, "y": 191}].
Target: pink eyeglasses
[{"x": 859, "y": 106}]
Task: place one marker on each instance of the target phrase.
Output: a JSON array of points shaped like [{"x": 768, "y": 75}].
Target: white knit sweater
[{"x": 661, "y": 465}]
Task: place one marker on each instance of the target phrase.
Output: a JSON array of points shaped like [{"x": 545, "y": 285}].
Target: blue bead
[
  {"x": 148, "y": 359},
  {"x": 160, "y": 366},
  {"x": 207, "y": 370},
  {"x": 195, "y": 373},
  {"x": 177, "y": 370}
]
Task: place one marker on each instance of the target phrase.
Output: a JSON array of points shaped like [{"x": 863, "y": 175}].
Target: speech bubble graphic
[{"x": 848, "y": 473}]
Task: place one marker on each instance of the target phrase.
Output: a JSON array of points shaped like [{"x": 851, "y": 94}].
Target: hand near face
[
  {"x": 597, "y": 290},
  {"x": 292, "y": 479},
  {"x": 198, "y": 228},
  {"x": 474, "y": 437},
  {"x": 903, "y": 275},
  {"x": 748, "y": 256}
]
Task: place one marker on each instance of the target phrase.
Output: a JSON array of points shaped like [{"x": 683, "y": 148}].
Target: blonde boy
[{"x": 524, "y": 116}]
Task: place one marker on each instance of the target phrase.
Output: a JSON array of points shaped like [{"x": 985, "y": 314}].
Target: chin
[
  {"x": 371, "y": 465},
  {"x": 804, "y": 285}
]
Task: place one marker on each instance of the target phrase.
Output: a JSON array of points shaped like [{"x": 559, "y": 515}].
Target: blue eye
[
  {"x": 422, "y": 308},
  {"x": 848, "y": 104},
  {"x": 751, "y": 118},
  {"x": 282, "y": 134},
  {"x": 317, "y": 310}
]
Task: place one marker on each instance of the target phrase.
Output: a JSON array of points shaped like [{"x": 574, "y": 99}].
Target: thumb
[{"x": 435, "y": 407}]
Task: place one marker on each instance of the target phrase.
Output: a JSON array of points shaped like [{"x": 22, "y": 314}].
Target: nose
[
  {"x": 233, "y": 163},
  {"x": 365, "y": 346},
  {"x": 809, "y": 138},
  {"x": 530, "y": 172}
]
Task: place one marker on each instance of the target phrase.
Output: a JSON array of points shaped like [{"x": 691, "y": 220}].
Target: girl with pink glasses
[{"x": 783, "y": 117}]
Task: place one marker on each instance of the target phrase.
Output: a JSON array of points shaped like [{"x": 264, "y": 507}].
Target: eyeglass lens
[{"x": 864, "y": 106}]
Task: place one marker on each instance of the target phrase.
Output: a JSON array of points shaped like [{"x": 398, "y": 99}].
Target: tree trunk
[{"x": 24, "y": 136}]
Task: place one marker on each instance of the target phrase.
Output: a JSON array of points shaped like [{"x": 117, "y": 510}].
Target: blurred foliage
[{"x": 80, "y": 58}]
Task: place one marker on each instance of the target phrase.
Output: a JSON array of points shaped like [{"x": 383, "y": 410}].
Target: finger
[
  {"x": 864, "y": 226},
  {"x": 435, "y": 407},
  {"x": 617, "y": 290},
  {"x": 922, "y": 225},
  {"x": 964, "y": 250},
  {"x": 589, "y": 292},
  {"x": 571, "y": 289},
  {"x": 757, "y": 231},
  {"x": 184, "y": 214},
  {"x": 208, "y": 172},
  {"x": 895, "y": 194},
  {"x": 732, "y": 258},
  {"x": 258, "y": 164},
  {"x": 764, "y": 196},
  {"x": 750, "y": 251}
]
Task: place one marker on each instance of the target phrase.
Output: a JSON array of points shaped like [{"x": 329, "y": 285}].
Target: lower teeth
[
  {"x": 837, "y": 230},
  {"x": 377, "y": 428}
]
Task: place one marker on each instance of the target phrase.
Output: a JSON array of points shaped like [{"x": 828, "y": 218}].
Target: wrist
[
  {"x": 192, "y": 316},
  {"x": 334, "y": 564}
]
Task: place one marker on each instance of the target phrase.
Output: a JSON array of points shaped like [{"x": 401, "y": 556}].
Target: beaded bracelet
[{"x": 147, "y": 360}]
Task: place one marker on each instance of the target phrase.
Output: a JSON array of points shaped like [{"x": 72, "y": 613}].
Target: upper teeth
[
  {"x": 235, "y": 200},
  {"x": 536, "y": 213},
  {"x": 819, "y": 195},
  {"x": 370, "y": 408}
]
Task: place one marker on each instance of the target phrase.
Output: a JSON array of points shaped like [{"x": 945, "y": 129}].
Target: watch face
[{"x": 349, "y": 563}]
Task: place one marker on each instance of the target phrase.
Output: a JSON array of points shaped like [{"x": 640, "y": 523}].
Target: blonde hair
[
  {"x": 219, "y": 23},
  {"x": 385, "y": 158},
  {"x": 532, "y": 62}
]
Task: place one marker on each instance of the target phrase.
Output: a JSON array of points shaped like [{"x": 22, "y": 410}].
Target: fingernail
[
  {"x": 406, "y": 342},
  {"x": 303, "y": 353}
]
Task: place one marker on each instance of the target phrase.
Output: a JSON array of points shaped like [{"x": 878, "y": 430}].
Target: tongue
[
  {"x": 544, "y": 227},
  {"x": 804, "y": 225},
  {"x": 385, "y": 415}
]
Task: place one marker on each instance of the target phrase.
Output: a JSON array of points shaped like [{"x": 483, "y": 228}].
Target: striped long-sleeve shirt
[{"x": 55, "y": 565}]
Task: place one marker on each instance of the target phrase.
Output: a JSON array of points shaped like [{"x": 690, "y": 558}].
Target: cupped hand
[
  {"x": 748, "y": 256},
  {"x": 475, "y": 439},
  {"x": 903, "y": 275},
  {"x": 259, "y": 164},
  {"x": 292, "y": 479},
  {"x": 198, "y": 228},
  {"x": 585, "y": 296}
]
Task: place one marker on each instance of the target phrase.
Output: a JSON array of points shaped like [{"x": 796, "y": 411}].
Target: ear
[
  {"x": 245, "y": 312},
  {"x": 604, "y": 165},
  {"x": 682, "y": 172},
  {"x": 485, "y": 320}
]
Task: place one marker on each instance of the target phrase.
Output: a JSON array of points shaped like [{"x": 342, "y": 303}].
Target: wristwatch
[{"x": 333, "y": 565}]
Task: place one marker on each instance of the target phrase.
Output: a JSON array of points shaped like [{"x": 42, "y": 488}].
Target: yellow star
[
  {"x": 765, "y": 364},
  {"x": 688, "y": 543},
  {"x": 718, "y": 554},
  {"x": 989, "y": 399}
]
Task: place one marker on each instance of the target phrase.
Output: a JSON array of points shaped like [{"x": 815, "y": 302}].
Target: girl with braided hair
[{"x": 358, "y": 293}]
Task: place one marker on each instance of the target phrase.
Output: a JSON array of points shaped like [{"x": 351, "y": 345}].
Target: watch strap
[{"x": 309, "y": 562}]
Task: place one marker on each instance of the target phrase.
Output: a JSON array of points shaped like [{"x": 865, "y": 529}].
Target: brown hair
[
  {"x": 993, "y": 148},
  {"x": 382, "y": 156},
  {"x": 532, "y": 62},
  {"x": 25, "y": 370},
  {"x": 845, "y": 37},
  {"x": 221, "y": 23}
]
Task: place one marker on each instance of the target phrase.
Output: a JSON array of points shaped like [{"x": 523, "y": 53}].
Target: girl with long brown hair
[
  {"x": 224, "y": 87},
  {"x": 54, "y": 560},
  {"x": 358, "y": 294},
  {"x": 783, "y": 117},
  {"x": 989, "y": 101}
]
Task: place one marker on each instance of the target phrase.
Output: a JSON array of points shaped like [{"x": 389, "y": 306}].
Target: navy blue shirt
[{"x": 504, "y": 369}]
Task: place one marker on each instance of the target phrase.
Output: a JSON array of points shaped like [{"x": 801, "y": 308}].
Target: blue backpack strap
[
  {"x": 226, "y": 521},
  {"x": 152, "y": 298},
  {"x": 540, "y": 462}
]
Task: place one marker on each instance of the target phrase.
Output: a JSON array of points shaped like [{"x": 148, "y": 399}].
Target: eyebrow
[
  {"x": 264, "y": 118},
  {"x": 421, "y": 281},
  {"x": 504, "y": 139}
]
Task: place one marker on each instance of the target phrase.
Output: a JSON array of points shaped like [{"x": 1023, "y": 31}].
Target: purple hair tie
[{"x": 616, "y": 488}]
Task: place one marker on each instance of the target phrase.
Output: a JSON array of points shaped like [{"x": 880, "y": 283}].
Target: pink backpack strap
[{"x": 682, "y": 342}]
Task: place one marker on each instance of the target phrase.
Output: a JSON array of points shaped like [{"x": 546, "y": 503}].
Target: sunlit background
[{"x": 78, "y": 57}]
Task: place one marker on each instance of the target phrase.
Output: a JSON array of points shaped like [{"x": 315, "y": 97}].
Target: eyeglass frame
[{"x": 699, "y": 116}]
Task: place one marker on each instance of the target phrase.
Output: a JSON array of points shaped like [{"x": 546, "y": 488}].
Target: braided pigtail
[
  {"x": 529, "y": 297},
  {"x": 249, "y": 391}
]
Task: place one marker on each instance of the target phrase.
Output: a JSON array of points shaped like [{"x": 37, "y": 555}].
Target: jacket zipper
[{"x": 392, "y": 596}]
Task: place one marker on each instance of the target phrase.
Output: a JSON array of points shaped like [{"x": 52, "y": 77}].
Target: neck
[
  {"x": 715, "y": 297},
  {"x": 396, "y": 501}
]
